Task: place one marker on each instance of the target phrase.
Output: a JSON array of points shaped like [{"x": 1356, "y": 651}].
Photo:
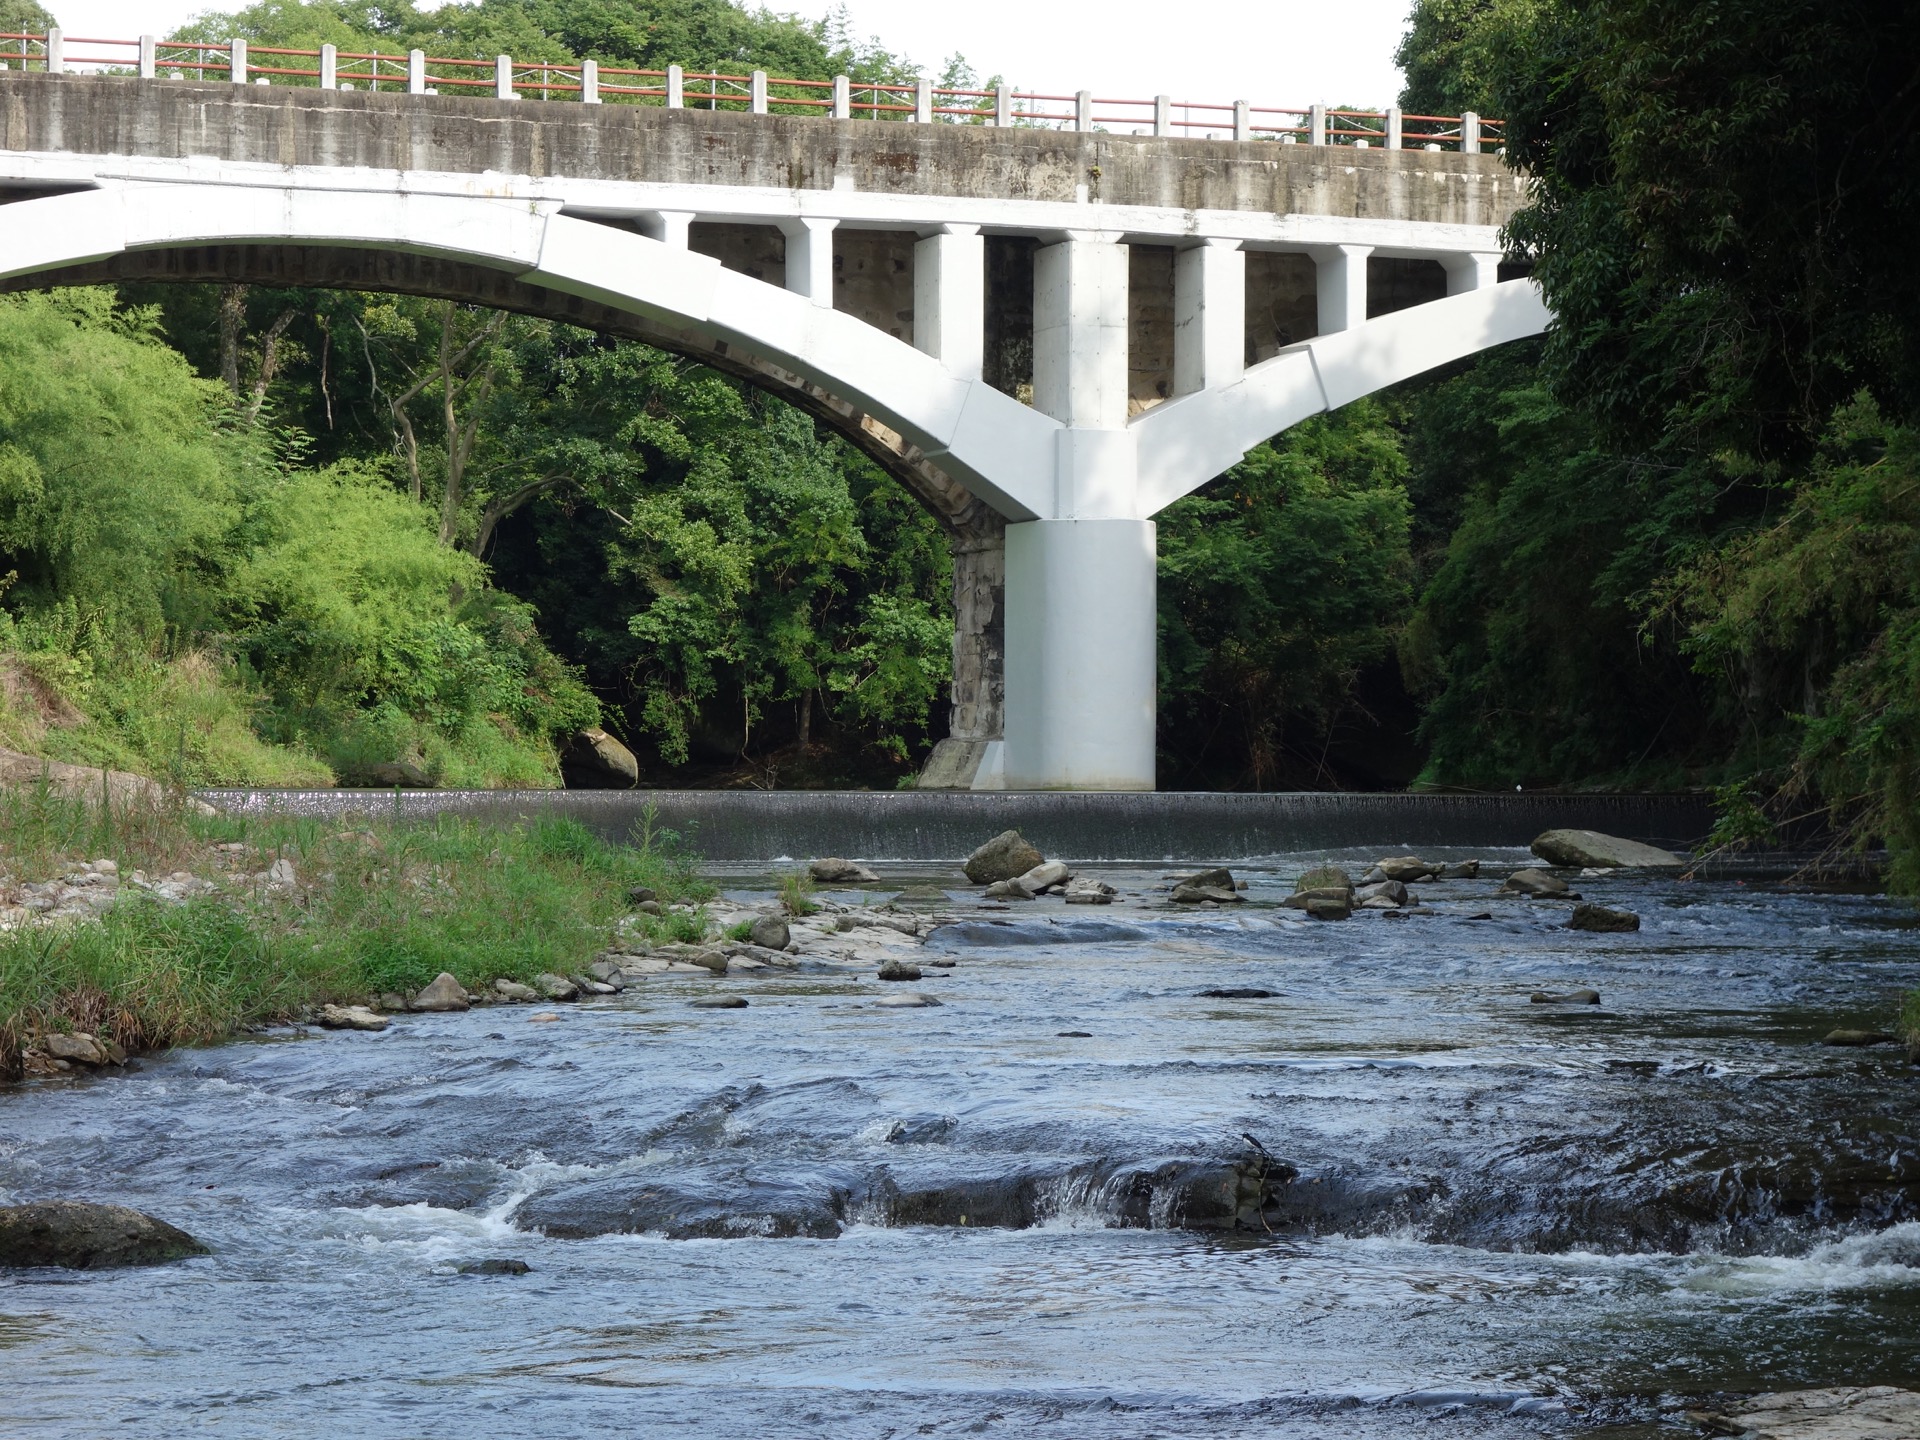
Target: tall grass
[{"x": 377, "y": 906}]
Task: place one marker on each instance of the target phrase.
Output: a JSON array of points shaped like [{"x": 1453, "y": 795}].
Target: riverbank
[{"x": 150, "y": 924}]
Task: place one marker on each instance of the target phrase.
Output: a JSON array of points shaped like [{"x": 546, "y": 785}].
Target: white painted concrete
[
  {"x": 1080, "y": 654},
  {"x": 1080, "y": 331},
  {"x": 810, "y": 257},
  {"x": 950, "y": 298},
  {"x": 1342, "y": 273},
  {"x": 1209, "y": 316},
  {"x": 1479, "y": 270}
]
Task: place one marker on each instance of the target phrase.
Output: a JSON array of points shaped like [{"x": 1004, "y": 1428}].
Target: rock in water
[
  {"x": 1537, "y": 885},
  {"x": 720, "y": 1002},
  {"x": 352, "y": 1017},
  {"x": 895, "y": 970},
  {"x": 1392, "y": 891},
  {"x": 770, "y": 933},
  {"x": 1859, "y": 1038},
  {"x": 1237, "y": 993},
  {"x": 593, "y": 760},
  {"x": 1044, "y": 877},
  {"x": 835, "y": 871},
  {"x": 1324, "y": 877},
  {"x": 1327, "y": 909},
  {"x": 1014, "y": 889},
  {"x": 1579, "y": 849},
  {"x": 1002, "y": 858},
  {"x": 1874, "y": 1412},
  {"x": 1214, "y": 885},
  {"x": 515, "y": 991},
  {"x": 555, "y": 987},
  {"x": 1571, "y": 997},
  {"x": 1406, "y": 868},
  {"x": 443, "y": 994},
  {"x": 493, "y": 1267},
  {"x": 79, "y": 1235},
  {"x": 1602, "y": 920},
  {"x": 78, "y": 1049},
  {"x": 910, "y": 1000}
]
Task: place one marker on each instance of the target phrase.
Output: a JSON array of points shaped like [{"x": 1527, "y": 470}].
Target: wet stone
[
  {"x": 493, "y": 1267},
  {"x": 1001, "y": 858},
  {"x": 351, "y": 1017},
  {"x": 81, "y": 1235},
  {"x": 896, "y": 970},
  {"x": 835, "y": 871},
  {"x": 1601, "y": 920},
  {"x": 443, "y": 993},
  {"x": 1858, "y": 1039},
  {"x": 720, "y": 1002},
  {"x": 1567, "y": 997},
  {"x": 1537, "y": 885}
]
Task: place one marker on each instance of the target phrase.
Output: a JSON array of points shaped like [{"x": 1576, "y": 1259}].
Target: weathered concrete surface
[{"x": 287, "y": 125}]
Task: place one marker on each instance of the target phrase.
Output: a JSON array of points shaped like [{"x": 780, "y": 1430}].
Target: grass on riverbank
[{"x": 375, "y": 906}]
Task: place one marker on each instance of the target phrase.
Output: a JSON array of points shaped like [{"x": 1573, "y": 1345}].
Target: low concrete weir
[{"x": 742, "y": 827}]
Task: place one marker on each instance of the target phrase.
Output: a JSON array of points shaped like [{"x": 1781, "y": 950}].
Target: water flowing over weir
[{"x": 734, "y": 827}]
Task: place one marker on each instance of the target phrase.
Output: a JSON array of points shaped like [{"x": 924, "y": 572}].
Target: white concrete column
[
  {"x": 503, "y": 78},
  {"x": 1209, "y": 316},
  {"x": 669, "y": 227},
  {"x": 1396, "y": 127},
  {"x": 1083, "y": 110},
  {"x": 416, "y": 72},
  {"x": 147, "y": 49},
  {"x": 590, "y": 82},
  {"x": 1470, "y": 133},
  {"x": 950, "y": 298},
  {"x": 1242, "y": 120},
  {"x": 1003, "y": 105},
  {"x": 757, "y": 93},
  {"x": 1080, "y": 655},
  {"x": 1343, "y": 286},
  {"x": 1080, "y": 331},
  {"x": 676, "y": 87},
  {"x": 237, "y": 62},
  {"x": 842, "y": 98},
  {"x": 329, "y": 67},
  {"x": 923, "y": 101},
  {"x": 1476, "y": 271},
  {"x": 1162, "y": 115},
  {"x": 56, "y": 52},
  {"x": 810, "y": 259},
  {"x": 1317, "y": 124}
]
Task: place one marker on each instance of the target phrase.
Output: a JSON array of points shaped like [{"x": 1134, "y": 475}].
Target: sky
[{"x": 1271, "y": 52}]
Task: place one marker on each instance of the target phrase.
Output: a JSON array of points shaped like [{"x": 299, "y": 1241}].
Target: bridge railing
[{"x": 840, "y": 98}]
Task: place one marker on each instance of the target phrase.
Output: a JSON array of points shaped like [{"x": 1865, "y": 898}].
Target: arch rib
[
  {"x": 1186, "y": 442},
  {"x": 1002, "y": 450}
]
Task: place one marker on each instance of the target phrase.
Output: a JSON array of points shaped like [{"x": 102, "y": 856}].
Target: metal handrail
[{"x": 151, "y": 57}]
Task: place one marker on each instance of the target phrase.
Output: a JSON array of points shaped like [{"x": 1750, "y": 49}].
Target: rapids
[{"x": 1392, "y": 1197}]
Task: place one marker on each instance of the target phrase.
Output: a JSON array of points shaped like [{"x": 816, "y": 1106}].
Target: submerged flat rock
[{"x": 81, "y": 1235}]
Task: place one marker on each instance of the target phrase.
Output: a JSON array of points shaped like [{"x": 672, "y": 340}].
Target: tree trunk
[{"x": 233, "y": 319}]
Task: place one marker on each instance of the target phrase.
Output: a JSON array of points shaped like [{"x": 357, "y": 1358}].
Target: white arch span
[{"x": 1004, "y": 451}]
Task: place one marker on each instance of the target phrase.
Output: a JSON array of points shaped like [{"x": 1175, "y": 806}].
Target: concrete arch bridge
[{"x": 1047, "y": 335}]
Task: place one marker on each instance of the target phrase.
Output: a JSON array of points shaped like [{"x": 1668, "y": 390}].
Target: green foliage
[
  {"x": 796, "y": 894},
  {"x": 1277, "y": 585},
  {"x": 1456, "y": 52}
]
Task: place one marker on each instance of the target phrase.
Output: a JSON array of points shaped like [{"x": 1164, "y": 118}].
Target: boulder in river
[
  {"x": 442, "y": 993},
  {"x": 720, "y": 1002},
  {"x": 1569, "y": 997},
  {"x": 1044, "y": 877},
  {"x": 352, "y": 1017},
  {"x": 897, "y": 970},
  {"x": 513, "y": 990},
  {"x": 1581, "y": 849},
  {"x": 907, "y": 1000},
  {"x": 1393, "y": 892},
  {"x": 399, "y": 775},
  {"x": 1859, "y": 1038},
  {"x": 1328, "y": 908},
  {"x": 770, "y": 932},
  {"x": 1406, "y": 868},
  {"x": 1214, "y": 885},
  {"x": 80, "y": 1235},
  {"x": 593, "y": 760},
  {"x": 555, "y": 987},
  {"x": 1001, "y": 858},
  {"x": 1872, "y": 1412},
  {"x": 1090, "y": 892},
  {"x": 493, "y": 1267},
  {"x": 1601, "y": 920},
  {"x": 1537, "y": 885},
  {"x": 1014, "y": 889},
  {"x": 77, "y": 1049},
  {"x": 834, "y": 871},
  {"x": 1324, "y": 877}
]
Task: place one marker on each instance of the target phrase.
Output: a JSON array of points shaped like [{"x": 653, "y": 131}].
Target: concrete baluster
[
  {"x": 1003, "y": 105},
  {"x": 1474, "y": 271},
  {"x": 842, "y": 98},
  {"x": 147, "y": 48},
  {"x": 1242, "y": 120},
  {"x": 1317, "y": 125},
  {"x": 416, "y": 72},
  {"x": 950, "y": 298},
  {"x": 1162, "y": 115},
  {"x": 1341, "y": 271},
  {"x": 1396, "y": 128},
  {"x": 757, "y": 93},
  {"x": 1083, "y": 110},
  {"x": 1209, "y": 316},
  {"x": 1470, "y": 133},
  {"x": 669, "y": 227},
  {"x": 676, "y": 88},
  {"x": 810, "y": 258},
  {"x": 56, "y": 52},
  {"x": 590, "y": 82},
  {"x": 237, "y": 63},
  {"x": 503, "y": 78},
  {"x": 329, "y": 67},
  {"x": 923, "y": 101}
]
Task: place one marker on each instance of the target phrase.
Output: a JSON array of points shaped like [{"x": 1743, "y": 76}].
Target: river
[{"x": 1481, "y": 1216}]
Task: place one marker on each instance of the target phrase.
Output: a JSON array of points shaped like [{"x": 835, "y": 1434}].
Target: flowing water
[{"x": 1391, "y": 1197}]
